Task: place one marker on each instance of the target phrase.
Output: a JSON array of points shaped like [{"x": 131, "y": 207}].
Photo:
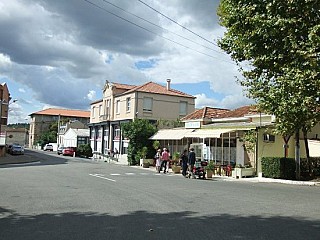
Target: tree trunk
[
  {"x": 306, "y": 144},
  {"x": 286, "y": 140},
  {"x": 297, "y": 154}
]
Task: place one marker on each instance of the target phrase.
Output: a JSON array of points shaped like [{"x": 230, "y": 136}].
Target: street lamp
[{"x": 25, "y": 133}]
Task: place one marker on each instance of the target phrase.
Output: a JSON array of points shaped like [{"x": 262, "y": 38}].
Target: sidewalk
[{"x": 248, "y": 179}]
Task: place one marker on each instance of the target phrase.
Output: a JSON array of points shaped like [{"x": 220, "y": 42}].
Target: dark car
[
  {"x": 69, "y": 151},
  {"x": 17, "y": 150},
  {"x": 60, "y": 150}
]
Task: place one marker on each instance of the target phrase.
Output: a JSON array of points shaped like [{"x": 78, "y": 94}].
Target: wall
[{"x": 164, "y": 106}]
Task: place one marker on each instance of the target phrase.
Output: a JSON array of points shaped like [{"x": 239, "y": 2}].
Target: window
[
  {"x": 183, "y": 108},
  {"x": 99, "y": 134},
  {"x": 100, "y": 110},
  {"x": 107, "y": 113},
  {"x": 116, "y": 132},
  {"x": 92, "y": 111},
  {"x": 82, "y": 140},
  {"x": 118, "y": 106},
  {"x": 128, "y": 104},
  {"x": 268, "y": 138},
  {"x": 105, "y": 140},
  {"x": 147, "y": 104},
  {"x": 92, "y": 134}
]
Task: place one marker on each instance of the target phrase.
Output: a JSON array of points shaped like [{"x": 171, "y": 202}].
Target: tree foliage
[
  {"x": 276, "y": 44},
  {"x": 49, "y": 136},
  {"x": 138, "y": 132},
  {"x": 84, "y": 150}
]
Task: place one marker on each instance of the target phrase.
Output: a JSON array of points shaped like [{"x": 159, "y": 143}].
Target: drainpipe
[{"x": 136, "y": 105}]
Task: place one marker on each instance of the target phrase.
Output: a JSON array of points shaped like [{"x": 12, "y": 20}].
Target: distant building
[
  {"x": 18, "y": 136},
  {"x": 4, "y": 107},
  {"x": 64, "y": 127},
  {"x": 122, "y": 103},
  {"x": 40, "y": 121},
  {"x": 75, "y": 137}
]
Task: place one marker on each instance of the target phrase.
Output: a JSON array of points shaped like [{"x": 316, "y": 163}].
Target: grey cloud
[{"x": 202, "y": 11}]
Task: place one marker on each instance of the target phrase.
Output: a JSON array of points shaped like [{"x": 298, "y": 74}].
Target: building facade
[
  {"x": 75, "y": 137},
  {"x": 4, "y": 109},
  {"x": 41, "y": 121},
  {"x": 221, "y": 138},
  {"x": 122, "y": 103},
  {"x": 17, "y": 136}
]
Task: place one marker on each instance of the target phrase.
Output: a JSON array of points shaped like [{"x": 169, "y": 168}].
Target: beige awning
[
  {"x": 207, "y": 133},
  {"x": 170, "y": 134},
  {"x": 178, "y": 134},
  {"x": 213, "y": 133}
]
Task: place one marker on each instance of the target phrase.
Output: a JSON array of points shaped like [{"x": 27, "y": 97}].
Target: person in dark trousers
[
  {"x": 184, "y": 162},
  {"x": 191, "y": 162},
  {"x": 165, "y": 159}
]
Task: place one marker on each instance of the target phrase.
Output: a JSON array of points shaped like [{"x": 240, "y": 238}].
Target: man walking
[
  {"x": 165, "y": 159},
  {"x": 191, "y": 162}
]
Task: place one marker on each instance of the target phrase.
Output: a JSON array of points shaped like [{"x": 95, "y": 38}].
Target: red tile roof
[
  {"x": 240, "y": 112},
  {"x": 152, "y": 87},
  {"x": 205, "y": 113},
  {"x": 123, "y": 86},
  {"x": 63, "y": 112}
]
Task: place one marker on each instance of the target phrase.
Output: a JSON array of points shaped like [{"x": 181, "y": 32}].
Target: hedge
[
  {"x": 275, "y": 167},
  {"x": 285, "y": 168}
]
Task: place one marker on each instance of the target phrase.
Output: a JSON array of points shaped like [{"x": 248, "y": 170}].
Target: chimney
[{"x": 168, "y": 84}]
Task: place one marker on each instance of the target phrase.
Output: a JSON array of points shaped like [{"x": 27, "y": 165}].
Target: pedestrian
[
  {"x": 169, "y": 160},
  {"x": 116, "y": 153},
  {"x": 191, "y": 162},
  {"x": 158, "y": 160},
  {"x": 164, "y": 159},
  {"x": 184, "y": 162}
]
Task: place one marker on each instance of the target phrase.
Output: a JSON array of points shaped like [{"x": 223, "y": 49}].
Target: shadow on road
[
  {"x": 148, "y": 225},
  {"x": 31, "y": 158}
]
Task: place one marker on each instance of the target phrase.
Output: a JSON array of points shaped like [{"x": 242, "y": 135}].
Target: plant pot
[
  {"x": 209, "y": 173},
  {"x": 176, "y": 169}
]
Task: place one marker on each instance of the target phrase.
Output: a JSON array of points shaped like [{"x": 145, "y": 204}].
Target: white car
[{"x": 48, "y": 147}]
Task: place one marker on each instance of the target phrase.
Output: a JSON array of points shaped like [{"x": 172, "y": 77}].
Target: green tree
[
  {"x": 276, "y": 44},
  {"x": 138, "y": 132},
  {"x": 84, "y": 150},
  {"x": 50, "y": 135}
]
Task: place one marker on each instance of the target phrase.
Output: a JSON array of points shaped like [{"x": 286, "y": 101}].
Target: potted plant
[
  {"x": 209, "y": 169},
  {"x": 176, "y": 168},
  {"x": 142, "y": 153}
]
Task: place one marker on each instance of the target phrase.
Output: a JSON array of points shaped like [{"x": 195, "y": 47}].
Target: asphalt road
[{"x": 72, "y": 198}]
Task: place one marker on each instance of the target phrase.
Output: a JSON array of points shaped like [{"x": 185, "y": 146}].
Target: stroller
[{"x": 198, "y": 169}]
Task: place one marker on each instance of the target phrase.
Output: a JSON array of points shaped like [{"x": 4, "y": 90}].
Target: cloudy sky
[{"x": 59, "y": 53}]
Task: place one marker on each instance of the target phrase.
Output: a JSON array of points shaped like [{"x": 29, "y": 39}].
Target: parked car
[
  {"x": 69, "y": 151},
  {"x": 9, "y": 147},
  {"x": 17, "y": 150},
  {"x": 48, "y": 147},
  {"x": 60, "y": 150}
]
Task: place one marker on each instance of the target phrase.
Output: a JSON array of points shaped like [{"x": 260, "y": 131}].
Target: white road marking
[
  {"x": 115, "y": 174},
  {"x": 129, "y": 173},
  {"x": 101, "y": 176}
]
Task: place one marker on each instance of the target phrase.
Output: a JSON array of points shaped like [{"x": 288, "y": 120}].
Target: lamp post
[{"x": 25, "y": 132}]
